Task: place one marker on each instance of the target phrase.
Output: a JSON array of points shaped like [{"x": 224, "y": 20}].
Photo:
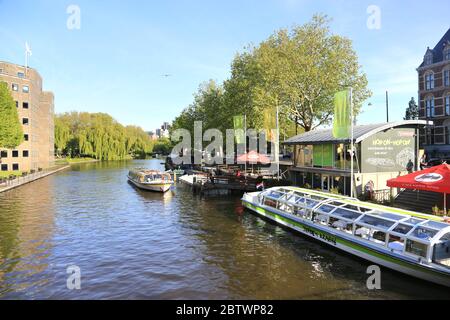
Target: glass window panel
[
  {"x": 403, "y": 228},
  {"x": 416, "y": 248},
  {"x": 347, "y": 214},
  {"x": 389, "y": 215},
  {"x": 436, "y": 225},
  {"x": 326, "y": 208},
  {"x": 356, "y": 208},
  {"x": 414, "y": 221},
  {"x": 424, "y": 233},
  {"x": 377, "y": 222}
]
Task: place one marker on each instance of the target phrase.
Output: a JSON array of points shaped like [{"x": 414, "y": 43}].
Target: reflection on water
[{"x": 135, "y": 244}]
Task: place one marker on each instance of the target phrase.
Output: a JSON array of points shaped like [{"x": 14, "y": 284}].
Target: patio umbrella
[
  {"x": 253, "y": 157},
  {"x": 435, "y": 179}
]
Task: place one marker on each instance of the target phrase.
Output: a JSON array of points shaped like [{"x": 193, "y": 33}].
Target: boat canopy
[{"x": 389, "y": 225}]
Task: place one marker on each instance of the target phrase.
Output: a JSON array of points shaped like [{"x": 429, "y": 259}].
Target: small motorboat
[{"x": 152, "y": 180}]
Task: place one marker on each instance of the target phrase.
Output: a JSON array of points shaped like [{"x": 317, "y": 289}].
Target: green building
[{"x": 382, "y": 151}]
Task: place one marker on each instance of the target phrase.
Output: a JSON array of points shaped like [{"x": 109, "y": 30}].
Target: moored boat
[
  {"x": 409, "y": 242},
  {"x": 151, "y": 180}
]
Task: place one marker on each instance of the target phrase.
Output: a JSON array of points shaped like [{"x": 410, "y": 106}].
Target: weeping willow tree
[{"x": 99, "y": 136}]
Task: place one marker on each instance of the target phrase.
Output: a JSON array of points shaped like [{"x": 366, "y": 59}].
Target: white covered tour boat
[
  {"x": 151, "y": 180},
  {"x": 412, "y": 243}
]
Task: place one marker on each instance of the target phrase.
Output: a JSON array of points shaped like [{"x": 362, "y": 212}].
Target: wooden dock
[{"x": 215, "y": 185}]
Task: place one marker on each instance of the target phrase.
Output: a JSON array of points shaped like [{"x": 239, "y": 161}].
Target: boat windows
[
  {"x": 357, "y": 208},
  {"x": 292, "y": 198},
  {"x": 414, "y": 221},
  {"x": 424, "y": 233},
  {"x": 377, "y": 222},
  {"x": 347, "y": 214},
  {"x": 274, "y": 194},
  {"x": 378, "y": 237},
  {"x": 388, "y": 215},
  {"x": 403, "y": 228},
  {"x": 396, "y": 243},
  {"x": 270, "y": 203},
  {"x": 416, "y": 248},
  {"x": 310, "y": 203},
  {"x": 441, "y": 254},
  {"x": 321, "y": 218},
  {"x": 340, "y": 225},
  {"x": 302, "y": 212},
  {"x": 435, "y": 225},
  {"x": 285, "y": 207},
  {"x": 362, "y": 232},
  {"x": 325, "y": 208}
]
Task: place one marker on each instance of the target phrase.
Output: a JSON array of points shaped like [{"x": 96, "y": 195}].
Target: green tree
[
  {"x": 99, "y": 136},
  {"x": 303, "y": 68},
  {"x": 11, "y": 134},
  {"x": 163, "y": 146}
]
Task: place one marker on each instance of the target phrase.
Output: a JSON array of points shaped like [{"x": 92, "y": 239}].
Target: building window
[
  {"x": 430, "y": 107},
  {"x": 15, "y": 167},
  {"x": 429, "y": 81},
  {"x": 4, "y": 167},
  {"x": 447, "y": 53},
  {"x": 25, "y": 121},
  {"x": 21, "y": 75},
  {"x": 25, "y": 153},
  {"x": 17, "y": 104},
  {"x": 4, "y": 154},
  {"x": 429, "y": 58},
  {"x": 446, "y": 77},
  {"x": 25, "y": 89},
  {"x": 439, "y": 135},
  {"x": 26, "y": 137},
  {"x": 25, "y": 105},
  {"x": 447, "y": 105},
  {"x": 15, "y": 154},
  {"x": 15, "y": 87}
]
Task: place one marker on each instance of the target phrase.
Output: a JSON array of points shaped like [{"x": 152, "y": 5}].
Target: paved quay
[{"x": 20, "y": 181}]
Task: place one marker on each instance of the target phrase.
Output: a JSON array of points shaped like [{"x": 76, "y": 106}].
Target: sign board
[{"x": 389, "y": 151}]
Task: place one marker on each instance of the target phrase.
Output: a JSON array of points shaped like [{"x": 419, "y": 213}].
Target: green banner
[
  {"x": 323, "y": 155},
  {"x": 342, "y": 115},
  {"x": 238, "y": 122}
]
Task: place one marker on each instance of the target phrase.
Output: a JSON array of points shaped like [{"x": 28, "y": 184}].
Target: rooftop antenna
[{"x": 387, "y": 106}]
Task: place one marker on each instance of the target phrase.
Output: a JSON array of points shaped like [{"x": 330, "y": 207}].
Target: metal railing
[{"x": 26, "y": 177}]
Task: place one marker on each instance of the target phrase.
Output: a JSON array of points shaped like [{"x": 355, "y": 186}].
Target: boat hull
[
  {"x": 352, "y": 246},
  {"x": 155, "y": 187}
]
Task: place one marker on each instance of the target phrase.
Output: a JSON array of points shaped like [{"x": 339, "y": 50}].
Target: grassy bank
[
  {"x": 74, "y": 160},
  {"x": 6, "y": 174}
]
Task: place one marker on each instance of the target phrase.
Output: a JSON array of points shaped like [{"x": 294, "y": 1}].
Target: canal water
[{"x": 131, "y": 244}]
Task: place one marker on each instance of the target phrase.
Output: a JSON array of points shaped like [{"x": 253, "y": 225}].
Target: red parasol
[
  {"x": 435, "y": 179},
  {"x": 253, "y": 157}
]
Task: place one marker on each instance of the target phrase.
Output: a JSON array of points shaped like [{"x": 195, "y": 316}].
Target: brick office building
[
  {"x": 36, "y": 112},
  {"x": 434, "y": 98}
]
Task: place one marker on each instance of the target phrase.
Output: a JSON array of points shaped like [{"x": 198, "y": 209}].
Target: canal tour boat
[
  {"x": 409, "y": 242},
  {"x": 151, "y": 180}
]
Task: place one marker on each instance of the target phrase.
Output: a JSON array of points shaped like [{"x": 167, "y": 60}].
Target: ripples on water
[{"x": 135, "y": 244}]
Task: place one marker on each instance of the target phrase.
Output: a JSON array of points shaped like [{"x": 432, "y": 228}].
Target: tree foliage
[
  {"x": 297, "y": 70},
  {"x": 99, "y": 136},
  {"x": 11, "y": 134}
]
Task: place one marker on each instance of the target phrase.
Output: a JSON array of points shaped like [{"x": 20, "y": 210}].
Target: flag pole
[
  {"x": 277, "y": 146},
  {"x": 352, "y": 145},
  {"x": 245, "y": 143}
]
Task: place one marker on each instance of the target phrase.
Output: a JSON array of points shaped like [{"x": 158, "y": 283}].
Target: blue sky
[{"x": 114, "y": 63}]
